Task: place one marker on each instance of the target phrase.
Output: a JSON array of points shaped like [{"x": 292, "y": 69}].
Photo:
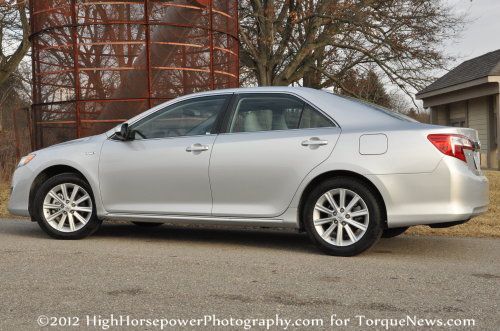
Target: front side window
[
  {"x": 186, "y": 118},
  {"x": 274, "y": 112}
]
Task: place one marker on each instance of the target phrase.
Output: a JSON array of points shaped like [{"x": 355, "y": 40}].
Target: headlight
[{"x": 26, "y": 159}]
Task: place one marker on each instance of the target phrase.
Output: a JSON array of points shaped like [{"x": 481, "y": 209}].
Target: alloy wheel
[
  {"x": 341, "y": 217},
  {"x": 67, "y": 207}
]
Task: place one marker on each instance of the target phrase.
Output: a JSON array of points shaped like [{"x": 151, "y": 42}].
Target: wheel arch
[
  {"x": 47, "y": 173},
  {"x": 339, "y": 173}
]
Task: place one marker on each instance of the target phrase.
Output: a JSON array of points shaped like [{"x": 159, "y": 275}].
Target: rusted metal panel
[{"x": 97, "y": 63}]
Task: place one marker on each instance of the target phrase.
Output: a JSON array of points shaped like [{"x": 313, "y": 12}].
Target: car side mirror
[{"x": 122, "y": 132}]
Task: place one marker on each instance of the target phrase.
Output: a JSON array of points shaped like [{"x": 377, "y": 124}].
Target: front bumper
[
  {"x": 20, "y": 191},
  {"x": 451, "y": 193}
]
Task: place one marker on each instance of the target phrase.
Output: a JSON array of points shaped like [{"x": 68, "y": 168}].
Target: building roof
[{"x": 478, "y": 67}]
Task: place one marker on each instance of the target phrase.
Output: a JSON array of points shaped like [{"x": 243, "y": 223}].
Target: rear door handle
[
  {"x": 314, "y": 141},
  {"x": 197, "y": 148}
]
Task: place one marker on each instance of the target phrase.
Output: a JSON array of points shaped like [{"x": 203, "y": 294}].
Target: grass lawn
[{"x": 486, "y": 225}]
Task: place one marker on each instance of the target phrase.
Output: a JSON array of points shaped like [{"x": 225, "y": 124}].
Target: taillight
[{"x": 452, "y": 144}]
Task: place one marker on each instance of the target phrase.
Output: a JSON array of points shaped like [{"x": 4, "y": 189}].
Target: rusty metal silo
[{"x": 97, "y": 63}]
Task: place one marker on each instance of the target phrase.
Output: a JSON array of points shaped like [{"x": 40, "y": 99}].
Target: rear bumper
[{"x": 451, "y": 193}]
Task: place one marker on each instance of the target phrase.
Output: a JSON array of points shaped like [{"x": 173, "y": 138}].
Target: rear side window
[
  {"x": 311, "y": 118},
  {"x": 267, "y": 112}
]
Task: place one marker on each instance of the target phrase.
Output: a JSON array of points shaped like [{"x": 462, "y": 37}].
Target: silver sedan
[{"x": 346, "y": 172}]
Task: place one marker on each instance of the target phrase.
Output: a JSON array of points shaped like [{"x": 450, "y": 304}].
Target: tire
[
  {"x": 147, "y": 224},
  {"x": 358, "y": 233},
  {"x": 46, "y": 206},
  {"x": 393, "y": 232}
]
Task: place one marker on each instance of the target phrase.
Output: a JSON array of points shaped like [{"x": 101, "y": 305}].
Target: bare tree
[
  {"x": 317, "y": 42},
  {"x": 14, "y": 45},
  {"x": 14, "y": 36},
  {"x": 366, "y": 86}
]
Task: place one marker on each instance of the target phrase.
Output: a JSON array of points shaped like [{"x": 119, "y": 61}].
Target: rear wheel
[
  {"x": 343, "y": 217},
  {"x": 64, "y": 207},
  {"x": 393, "y": 232},
  {"x": 147, "y": 224}
]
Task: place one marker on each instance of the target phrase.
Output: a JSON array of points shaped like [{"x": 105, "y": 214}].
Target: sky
[
  {"x": 482, "y": 34},
  {"x": 479, "y": 36}
]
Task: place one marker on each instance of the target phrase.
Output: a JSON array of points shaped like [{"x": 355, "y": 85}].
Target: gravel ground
[{"x": 178, "y": 272}]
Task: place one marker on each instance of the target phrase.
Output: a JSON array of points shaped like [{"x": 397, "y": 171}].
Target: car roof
[{"x": 348, "y": 113}]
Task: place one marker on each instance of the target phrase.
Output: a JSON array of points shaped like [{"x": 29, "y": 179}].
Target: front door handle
[
  {"x": 314, "y": 141},
  {"x": 197, "y": 148}
]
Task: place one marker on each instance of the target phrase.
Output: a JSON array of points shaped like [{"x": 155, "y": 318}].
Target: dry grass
[
  {"x": 4, "y": 198},
  {"x": 486, "y": 225}
]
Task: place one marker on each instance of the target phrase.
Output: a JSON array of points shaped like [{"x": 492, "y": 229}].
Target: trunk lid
[{"x": 473, "y": 157}]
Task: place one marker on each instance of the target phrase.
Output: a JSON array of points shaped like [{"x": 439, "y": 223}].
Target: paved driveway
[{"x": 175, "y": 272}]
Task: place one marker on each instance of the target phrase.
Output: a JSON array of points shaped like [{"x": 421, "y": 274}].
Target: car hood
[{"x": 75, "y": 142}]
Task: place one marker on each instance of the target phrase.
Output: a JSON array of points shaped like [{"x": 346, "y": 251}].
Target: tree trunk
[
  {"x": 312, "y": 79},
  {"x": 11, "y": 64}
]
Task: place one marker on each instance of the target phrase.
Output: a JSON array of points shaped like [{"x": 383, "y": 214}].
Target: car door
[
  {"x": 164, "y": 170},
  {"x": 272, "y": 141}
]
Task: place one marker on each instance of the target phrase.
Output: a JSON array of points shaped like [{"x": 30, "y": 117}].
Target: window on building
[{"x": 458, "y": 122}]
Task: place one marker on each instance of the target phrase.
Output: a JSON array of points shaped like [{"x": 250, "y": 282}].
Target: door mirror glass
[{"x": 122, "y": 132}]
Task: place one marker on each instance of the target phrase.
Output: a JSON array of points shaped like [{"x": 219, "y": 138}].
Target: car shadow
[
  {"x": 428, "y": 248},
  {"x": 283, "y": 239},
  {"x": 266, "y": 238}
]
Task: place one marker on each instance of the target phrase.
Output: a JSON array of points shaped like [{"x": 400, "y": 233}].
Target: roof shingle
[{"x": 478, "y": 67}]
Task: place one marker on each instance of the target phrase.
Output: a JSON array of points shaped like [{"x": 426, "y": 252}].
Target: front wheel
[
  {"x": 343, "y": 216},
  {"x": 64, "y": 207}
]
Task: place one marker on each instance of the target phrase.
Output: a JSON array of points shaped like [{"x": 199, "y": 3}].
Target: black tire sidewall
[
  {"x": 372, "y": 234},
  {"x": 89, "y": 228},
  {"x": 393, "y": 232}
]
